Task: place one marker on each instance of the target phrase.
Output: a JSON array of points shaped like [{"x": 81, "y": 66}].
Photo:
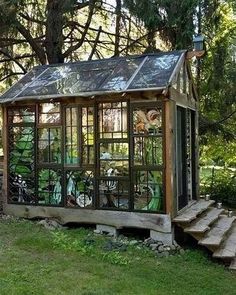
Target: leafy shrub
[{"x": 221, "y": 186}]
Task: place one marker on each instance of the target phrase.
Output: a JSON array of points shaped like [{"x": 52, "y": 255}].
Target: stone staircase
[{"x": 212, "y": 228}]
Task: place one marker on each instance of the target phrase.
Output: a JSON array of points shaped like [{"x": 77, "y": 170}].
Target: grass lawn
[{"x": 34, "y": 260}]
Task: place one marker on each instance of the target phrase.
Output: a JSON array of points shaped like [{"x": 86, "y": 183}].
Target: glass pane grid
[
  {"x": 49, "y": 187},
  {"x": 87, "y": 135},
  {"x": 114, "y": 193},
  {"x": 80, "y": 189},
  {"x": 49, "y": 145},
  {"x": 71, "y": 136},
  {"x": 113, "y": 120}
]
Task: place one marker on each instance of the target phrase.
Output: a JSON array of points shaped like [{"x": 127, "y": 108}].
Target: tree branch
[
  {"x": 10, "y": 75},
  {"x": 95, "y": 43},
  {"x": 86, "y": 27},
  {"x": 7, "y": 54},
  {"x": 37, "y": 49}
]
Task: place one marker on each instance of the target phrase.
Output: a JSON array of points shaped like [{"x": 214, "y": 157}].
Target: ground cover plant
[{"x": 34, "y": 260}]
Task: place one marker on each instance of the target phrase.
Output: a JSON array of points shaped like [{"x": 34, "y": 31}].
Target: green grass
[{"x": 36, "y": 261}]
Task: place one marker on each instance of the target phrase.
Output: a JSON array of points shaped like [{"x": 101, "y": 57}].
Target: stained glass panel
[
  {"x": 21, "y": 165},
  {"x": 80, "y": 189},
  {"x": 49, "y": 187},
  {"x": 148, "y": 150},
  {"x": 114, "y": 193},
  {"x": 148, "y": 190},
  {"x": 147, "y": 121}
]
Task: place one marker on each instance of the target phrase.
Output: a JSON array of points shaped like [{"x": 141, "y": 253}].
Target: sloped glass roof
[{"x": 99, "y": 76}]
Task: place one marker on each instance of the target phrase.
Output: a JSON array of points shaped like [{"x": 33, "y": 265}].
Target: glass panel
[
  {"x": 113, "y": 120},
  {"x": 121, "y": 74},
  {"x": 114, "y": 150},
  {"x": 71, "y": 78},
  {"x": 147, "y": 150},
  {"x": 49, "y": 187},
  {"x": 156, "y": 71},
  {"x": 87, "y": 135},
  {"x": 148, "y": 191},
  {"x": 114, "y": 168},
  {"x": 71, "y": 136},
  {"x": 147, "y": 121},
  {"x": 114, "y": 194},
  {"x": 49, "y": 145},
  {"x": 49, "y": 113},
  {"x": 23, "y": 83},
  {"x": 80, "y": 188},
  {"x": 21, "y": 115},
  {"x": 21, "y": 165}
]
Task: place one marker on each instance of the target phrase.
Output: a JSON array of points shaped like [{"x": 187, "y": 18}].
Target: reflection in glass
[
  {"x": 87, "y": 135},
  {"x": 16, "y": 89},
  {"x": 121, "y": 74},
  {"x": 114, "y": 193},
  {"x": 49, "y": 145},
  {"x": 119, "y": 167},
  {"x": 148, "y": 150},
  {"x": 21, "y": 115},
  {"x": 71, "y": 136},
  {"x": 80, "y": 188},
  {"x": 49, "y": 113},
  {"x": 49, "y": 187},
  {"x": 113, "y": 120},
  {"x": 114, "y": 150},
  {"x": 21, "y": 165},
  {"x": 148, "y": 193},
  {"x": 147, "y": 121},
  {"x": 156, "y": 71}
]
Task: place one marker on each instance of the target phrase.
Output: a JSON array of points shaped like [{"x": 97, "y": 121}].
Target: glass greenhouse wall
[{"x": 96, "y": 155}]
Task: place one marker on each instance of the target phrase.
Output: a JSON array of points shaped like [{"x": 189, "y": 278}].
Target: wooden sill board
[{"x": 192, "y": 212}]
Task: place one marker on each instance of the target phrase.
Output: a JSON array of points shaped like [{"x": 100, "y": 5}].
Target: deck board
[
  {"x": 203, "y": 222},
  {"x": 228, "y": 247},
  {"x": 215, "y": 236},
  {"x": 192, "y": 212}
]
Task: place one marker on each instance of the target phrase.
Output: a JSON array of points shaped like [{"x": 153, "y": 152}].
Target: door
[{"x": 181, "y": 159}]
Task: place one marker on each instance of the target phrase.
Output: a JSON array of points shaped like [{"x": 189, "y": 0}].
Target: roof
[{"x": 86, "y": 78}]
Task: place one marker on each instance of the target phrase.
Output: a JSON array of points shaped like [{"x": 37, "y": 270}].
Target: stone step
[
  {"x": 227, "y": 249},
  {"x": 218, "y": 231},
  {"x": 233, "y": 264},
  {"x": 192, "y": 212},
  {"x": 202, "y": 223}
]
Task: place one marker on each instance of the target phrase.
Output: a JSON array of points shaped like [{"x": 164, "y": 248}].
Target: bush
[{"x": 220, "y": 184}]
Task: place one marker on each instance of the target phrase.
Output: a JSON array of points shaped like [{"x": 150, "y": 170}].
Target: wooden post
[{"x": 168, "y": 155}]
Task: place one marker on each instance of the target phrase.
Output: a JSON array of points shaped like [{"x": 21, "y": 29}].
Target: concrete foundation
[{"x": 166, "y": 238}]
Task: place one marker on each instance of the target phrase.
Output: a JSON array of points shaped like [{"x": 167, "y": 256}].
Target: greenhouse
[{"x": 86, "y": 139}]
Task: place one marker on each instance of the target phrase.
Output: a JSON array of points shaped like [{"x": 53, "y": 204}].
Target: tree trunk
[
  {"x": 54, "y": 36},
  {"x": 118, "y": 20}
]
